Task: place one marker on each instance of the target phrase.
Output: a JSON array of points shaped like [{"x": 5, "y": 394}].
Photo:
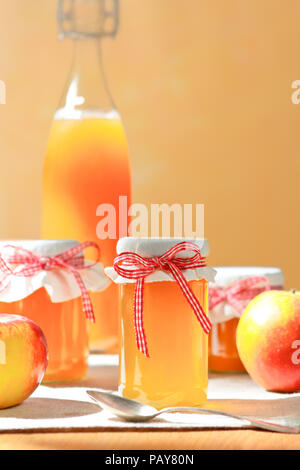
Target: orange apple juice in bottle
[
  {"x": 87, "y": 160},
  {"x": 176, "y": 371}
]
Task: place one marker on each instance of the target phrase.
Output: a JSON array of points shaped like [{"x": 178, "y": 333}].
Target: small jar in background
[
  {"x": 176, "y": 371},
  {"x": 51, "y": 296},
  {"x": 233, "y": 288}
]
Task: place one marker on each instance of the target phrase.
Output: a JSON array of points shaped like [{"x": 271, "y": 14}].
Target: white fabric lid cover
[
  {"x": 229, "y": 275},
  {"x": 60, "y": 284},
  {"x": 149, "y": 247}
]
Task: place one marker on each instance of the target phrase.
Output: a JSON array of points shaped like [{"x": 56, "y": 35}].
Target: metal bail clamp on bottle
[{"x": 87, "y": 160}]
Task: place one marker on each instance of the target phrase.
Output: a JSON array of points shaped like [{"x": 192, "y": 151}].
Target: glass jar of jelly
[
  {"x": 233, "y": 288},
  {"x": 51, "y": 298},
  {"x": 176, "y": 371}
]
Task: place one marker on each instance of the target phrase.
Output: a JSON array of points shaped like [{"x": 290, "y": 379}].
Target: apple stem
[{"x": 293, "y": 291}]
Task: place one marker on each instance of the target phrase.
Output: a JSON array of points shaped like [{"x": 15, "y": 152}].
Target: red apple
[
  {"x": 268, "y": 340},
  {"x": 23, "y": 358}
]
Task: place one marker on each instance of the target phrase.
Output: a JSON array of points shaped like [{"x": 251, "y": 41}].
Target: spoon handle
[{"x": 258, "y": 423}]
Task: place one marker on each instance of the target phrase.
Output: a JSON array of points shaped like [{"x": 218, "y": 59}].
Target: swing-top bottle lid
[{"x": 81, "y": 19}]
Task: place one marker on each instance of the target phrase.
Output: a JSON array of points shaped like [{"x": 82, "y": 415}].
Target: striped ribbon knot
[
  {"x": 239, "y": 292},
  {"x": 133, "y": 266},
  {"x": 17, "y": 261}
]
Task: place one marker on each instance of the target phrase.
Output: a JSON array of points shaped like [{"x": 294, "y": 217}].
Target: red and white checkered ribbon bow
[
  {"x": 238, "y": 293},
  {"x": 24, "y": 263},
  {"x": 133, "y": 266}
]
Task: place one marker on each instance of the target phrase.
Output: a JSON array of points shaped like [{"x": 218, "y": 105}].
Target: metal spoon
[{"x": 131, "y": 410}]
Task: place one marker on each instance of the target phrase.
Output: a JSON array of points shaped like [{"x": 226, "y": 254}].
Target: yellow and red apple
[
  {"x": 23, "y": 359},
  {"x": 268, "y": 340}
]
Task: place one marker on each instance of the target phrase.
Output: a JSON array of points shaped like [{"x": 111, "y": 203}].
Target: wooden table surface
[{"x": 188, "y": 440}]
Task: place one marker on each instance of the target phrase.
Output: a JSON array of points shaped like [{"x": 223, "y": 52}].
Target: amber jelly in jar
[
  {"x": 52, "y": 299},
  {"x": 176, "y": 371},
  {"x": 234, "y": 287}
]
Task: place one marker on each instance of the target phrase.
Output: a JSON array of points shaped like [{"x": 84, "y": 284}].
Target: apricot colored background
[{"x": 204, "y": 88}]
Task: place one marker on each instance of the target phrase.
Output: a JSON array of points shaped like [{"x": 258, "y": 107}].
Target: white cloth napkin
[{"x": 67, "y": 407}]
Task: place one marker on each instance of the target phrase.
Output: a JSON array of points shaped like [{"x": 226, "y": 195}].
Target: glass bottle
[{"x": 87, "y": 159}]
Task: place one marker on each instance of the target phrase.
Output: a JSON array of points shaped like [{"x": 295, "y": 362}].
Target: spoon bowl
[{"x": 128, "y": 410}]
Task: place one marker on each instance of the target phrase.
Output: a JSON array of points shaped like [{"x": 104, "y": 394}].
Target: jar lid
[
  {"x": 149, "y": 247},
  {"x": 41, "y": 247},
  {"x": 59, "y": 283},
  {"x": 226, "y": 275}
]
